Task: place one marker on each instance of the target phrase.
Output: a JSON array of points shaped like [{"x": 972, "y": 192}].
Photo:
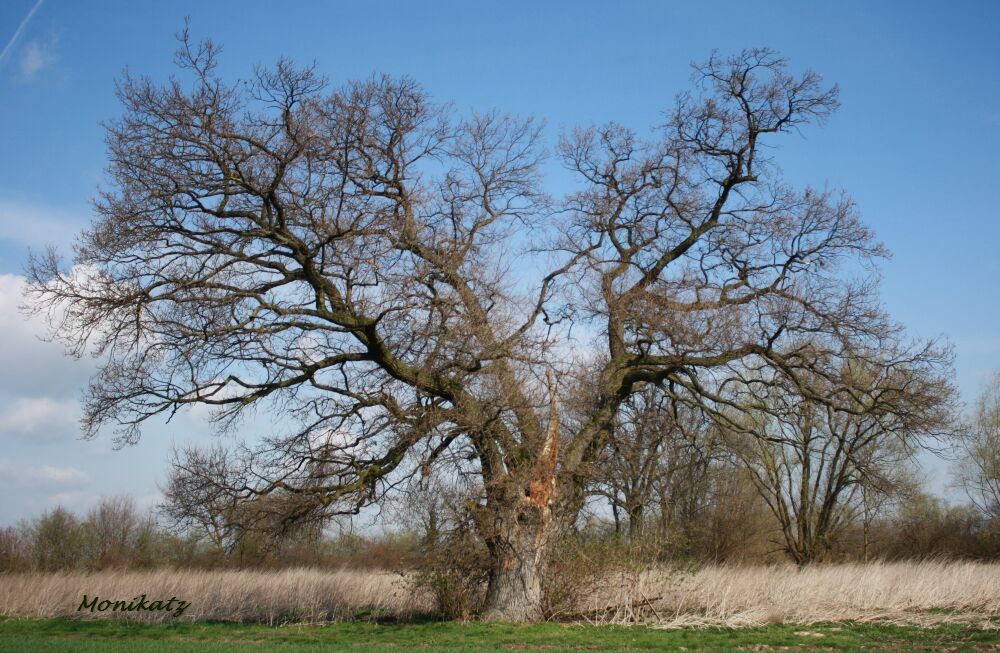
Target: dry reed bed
[
  {"x": 301, "y": 595},
  {"x": 912, "y": 593},
  {"x": 921, "y": 593}
]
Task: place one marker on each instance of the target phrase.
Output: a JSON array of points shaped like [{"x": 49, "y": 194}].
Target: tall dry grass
[
  {"x": 921, "y": 593},
  {"x": 288, "y": 595},
  {"x": 901, "y": 592}
]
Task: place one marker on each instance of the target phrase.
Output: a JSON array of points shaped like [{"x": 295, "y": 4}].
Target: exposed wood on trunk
[{"x": 541, "y": 492}]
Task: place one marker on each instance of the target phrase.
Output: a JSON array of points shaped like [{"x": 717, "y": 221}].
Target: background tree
[
  {"x": 116, "y": 528},
  {"x": 58, "y": 540},
  {"x": 656, "y": 466},
  {"x": 354, "y": 259},
  {"x": 813, "y": 463},
  {"x": 738, "y": 526},
  {"x": 630, "y": 466},
  {"x": 925, "y": 527},
  {"x": 15, "y": 549},
  {"x": 196, "y": 500},
  {"x": 980, "y": 468}
]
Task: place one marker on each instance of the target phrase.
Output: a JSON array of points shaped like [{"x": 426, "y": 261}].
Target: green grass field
[{"x": 59, "y": 636}]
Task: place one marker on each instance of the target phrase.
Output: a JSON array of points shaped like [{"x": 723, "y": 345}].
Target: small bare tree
[
  {"x": 658, "y": 449},
  {"x": 979, "y": 472},
  {"x": 818, "y": 464},
  {"x": 15, "y": 548},
  {"x": 355, "y": 258},
  {"x": 58, "y": 540},
  {"x": 196, "y": 499},
  {"x": 115, "y": 525}
]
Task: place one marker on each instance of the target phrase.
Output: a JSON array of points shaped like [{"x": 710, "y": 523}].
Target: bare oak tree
[{"x": 358, "y": 258}]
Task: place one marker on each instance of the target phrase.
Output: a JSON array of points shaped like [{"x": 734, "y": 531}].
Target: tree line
[{"x": 673, "y": 488}]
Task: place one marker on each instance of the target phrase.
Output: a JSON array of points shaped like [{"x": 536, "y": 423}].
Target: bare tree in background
[
  {"x": 980, "y": 468},
  {"x": 114, "y": 525},
  {"x": 58, "y": 540},
  {"x": 817, "y": 465},
  {"x": 696, "y": 489},
  {"x": 196, "y": 497},
  {"x": 357, "y": 259},
  {"x": 657, "y": 450},
  {"x": 15, "y": 548}
]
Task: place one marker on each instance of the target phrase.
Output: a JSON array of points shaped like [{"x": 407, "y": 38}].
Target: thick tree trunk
[
  {"x": 520, "y": 529},
  {"x": 635, "y": 522},
  {"x": 515, "y": 583}
]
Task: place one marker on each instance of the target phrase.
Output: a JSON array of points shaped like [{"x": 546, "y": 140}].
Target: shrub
[{"x": 453, "y": 569}]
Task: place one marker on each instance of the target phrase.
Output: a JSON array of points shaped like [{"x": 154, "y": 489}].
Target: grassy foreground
[{"x": 64, "y": 635}]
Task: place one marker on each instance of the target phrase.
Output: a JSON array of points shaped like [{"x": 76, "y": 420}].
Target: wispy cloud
[
  {"x": 36, "y": 225},
  {"x": 58, "y": 475},
  {"x": 17, "y": 33},
  {"x": 39, "y": 415},
  {"x": 35, "y": 57},
  {"x": 50, "y": 476},
  {"x": 34, "y": 370}
]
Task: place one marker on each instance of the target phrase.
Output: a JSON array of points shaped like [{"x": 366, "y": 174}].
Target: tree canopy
[{"x": 392, "y": 276}]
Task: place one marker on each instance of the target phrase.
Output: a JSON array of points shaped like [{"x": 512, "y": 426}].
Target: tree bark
[
  {"x": 520, "y": 533},
  {"x": 518, "y": 562},
  {"x": 635, "y": 522}
]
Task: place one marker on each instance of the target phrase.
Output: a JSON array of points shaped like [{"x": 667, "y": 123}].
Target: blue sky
[{"x": 916, "y": 144}]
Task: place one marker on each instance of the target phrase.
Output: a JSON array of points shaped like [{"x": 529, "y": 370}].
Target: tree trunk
[
  {"x": 518, "y": 562},
  {"x": 635, "y": 522},
  {"x": 520, "y": 531}
]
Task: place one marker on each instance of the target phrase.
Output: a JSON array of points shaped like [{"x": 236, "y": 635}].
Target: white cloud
[
  {"x": 36, "y": 415},
  {"x": 31, "y": 489},
  {"x": 29, "y": 366},
  {"x": 58, "y": 475},
  {"x": 76, "y": 501},
  {"x": 44, "y": 476},
  {"x": 147, "y": 502},
  {"x": 34, "y": 58},
  {"x": 37, "y": 226}
]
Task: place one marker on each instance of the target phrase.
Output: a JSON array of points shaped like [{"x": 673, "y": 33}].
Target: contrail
[{"x": 20, "y": 28}]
